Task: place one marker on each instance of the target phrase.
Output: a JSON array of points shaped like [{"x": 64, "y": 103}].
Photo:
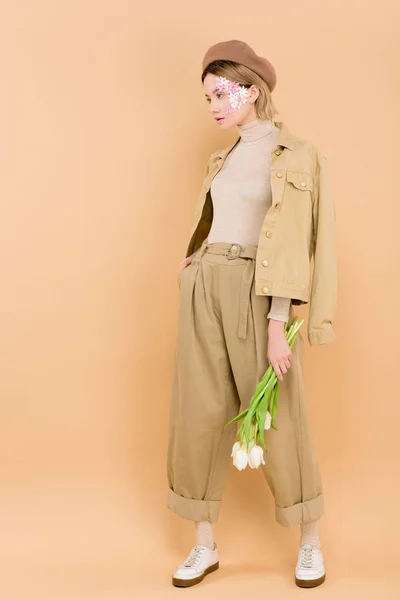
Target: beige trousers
[{"x": 221, "y": 354}]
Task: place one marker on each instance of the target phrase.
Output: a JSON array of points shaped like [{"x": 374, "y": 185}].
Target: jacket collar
[{"x": 285, "y": 139}]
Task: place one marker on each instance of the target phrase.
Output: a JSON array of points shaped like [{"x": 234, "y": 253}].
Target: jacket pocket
[
  {"x": 299, "y": 187},
  {"x": 300, "y": 180}
]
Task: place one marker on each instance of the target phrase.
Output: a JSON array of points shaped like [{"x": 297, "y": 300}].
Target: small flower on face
[
  {"x": 243, "y": 92},
  {"x": 240, "y": 457},
  {"x": 238, "y": 98},
  {"x": 238, "y": 93},
  {"x": 268, "y": 419},
  {"x": 221, "y": 83},
  {"x": 256, "y": 455}
]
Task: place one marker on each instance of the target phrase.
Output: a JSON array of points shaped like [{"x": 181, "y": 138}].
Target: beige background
[{"x": 105, "y": 135}]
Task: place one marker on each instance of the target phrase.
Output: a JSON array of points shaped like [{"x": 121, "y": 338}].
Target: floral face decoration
[{"x": 238, "y": 94}]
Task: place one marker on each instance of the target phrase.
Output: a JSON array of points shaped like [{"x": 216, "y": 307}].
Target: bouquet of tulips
[{"x": 261, "y": 413}]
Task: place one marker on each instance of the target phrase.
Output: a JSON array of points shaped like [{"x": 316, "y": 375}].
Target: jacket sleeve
[{"x": 324, "y": 286}]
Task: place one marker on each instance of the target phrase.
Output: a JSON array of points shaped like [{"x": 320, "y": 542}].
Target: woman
[{"x": 263, "y": 210}]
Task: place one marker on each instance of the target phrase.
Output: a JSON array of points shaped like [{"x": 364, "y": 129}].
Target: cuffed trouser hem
[
  {"x": 195, "y": 510},
  {"x": 303, "y": 512}
]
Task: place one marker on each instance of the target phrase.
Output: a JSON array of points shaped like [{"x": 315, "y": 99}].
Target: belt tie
[{"x": 233, "y": 251}]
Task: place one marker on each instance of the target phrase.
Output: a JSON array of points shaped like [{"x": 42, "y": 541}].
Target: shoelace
[
  {"x": 193, "y": 557},
  {"x": 306, "y": 557}
]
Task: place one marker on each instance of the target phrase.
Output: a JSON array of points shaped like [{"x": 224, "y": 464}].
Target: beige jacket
[{"x": 299, "y": 226}]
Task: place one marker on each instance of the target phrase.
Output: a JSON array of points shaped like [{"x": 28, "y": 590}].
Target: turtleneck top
[{"x": 241, "y": 194}]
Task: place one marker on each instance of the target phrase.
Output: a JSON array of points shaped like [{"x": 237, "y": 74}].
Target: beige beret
[{"x": 242, "y": 53}]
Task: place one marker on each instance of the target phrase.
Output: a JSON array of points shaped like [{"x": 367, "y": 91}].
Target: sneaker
[
  {"x": 310, "y": 570},
  {"x": 201, "y": 561}
]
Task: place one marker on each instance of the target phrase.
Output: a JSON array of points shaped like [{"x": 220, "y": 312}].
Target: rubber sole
[
  {"x": 189, "y": 582},
  {"x": 310, "y": 583}
]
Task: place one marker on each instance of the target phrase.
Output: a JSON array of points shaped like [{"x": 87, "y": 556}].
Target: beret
[{"x": 242, "y": 53}]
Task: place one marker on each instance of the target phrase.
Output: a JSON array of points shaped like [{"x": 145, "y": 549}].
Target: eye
[{"x": 218, "y": 94}]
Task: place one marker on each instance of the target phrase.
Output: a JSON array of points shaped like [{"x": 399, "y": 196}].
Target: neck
[{"x": 255, "y": 130}]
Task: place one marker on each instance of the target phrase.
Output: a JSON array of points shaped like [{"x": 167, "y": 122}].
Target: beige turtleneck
[{"x": 241, "y": 194}]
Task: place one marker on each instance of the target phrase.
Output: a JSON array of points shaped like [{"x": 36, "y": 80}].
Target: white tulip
[
  {"x": 256, "y": 455},
  {"x": 240, "y": 457},
  {"x": 268, "y": 419}
]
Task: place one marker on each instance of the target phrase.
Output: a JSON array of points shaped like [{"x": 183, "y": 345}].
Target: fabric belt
[{"x": 231, "y": 252}]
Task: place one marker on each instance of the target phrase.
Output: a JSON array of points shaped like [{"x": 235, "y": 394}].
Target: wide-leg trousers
[{"x": 220, "y": 356}]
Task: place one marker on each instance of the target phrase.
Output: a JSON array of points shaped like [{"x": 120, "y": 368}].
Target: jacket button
[
  {"x": 303, "y": 183},
  {"x": 264, "y": 290},
  {"x": 278, "y": 152},
  {"x": 277, "y": 205},
  {"x": 268, "y": 233},
  {"x": 279, "y": 174},
  {"x": 264, "y": 263}
]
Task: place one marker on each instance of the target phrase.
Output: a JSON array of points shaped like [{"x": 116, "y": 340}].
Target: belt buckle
[{"x": 236, "y": 255}]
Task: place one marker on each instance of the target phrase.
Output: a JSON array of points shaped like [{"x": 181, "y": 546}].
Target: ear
[{"x": 253, "y": 93}]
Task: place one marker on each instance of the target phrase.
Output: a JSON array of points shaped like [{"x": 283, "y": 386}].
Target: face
[{"x": 230, "y": 103}]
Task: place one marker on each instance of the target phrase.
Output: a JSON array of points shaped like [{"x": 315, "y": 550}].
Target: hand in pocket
[{"x": 186, "y": 261}]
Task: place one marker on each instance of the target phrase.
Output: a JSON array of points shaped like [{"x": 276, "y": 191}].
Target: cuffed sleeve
[
  {"x": 324, "y": 286},
  {"x": 279, "y": 310}
]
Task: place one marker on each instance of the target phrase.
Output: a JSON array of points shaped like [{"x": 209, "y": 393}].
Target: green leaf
[
  {"x": 263, "y": 407},
  {"x": 277, "y": 394},
  {"x": 260, "y": 386},
  {"x": 261, "y": 433},
  {"x": 238, "y": 418},
  {"x": 249, "y": 417},
  {"x": 274, "y": 407},
  {"x": 246, "y": 427},
  {"x": 271, "y": 406}
]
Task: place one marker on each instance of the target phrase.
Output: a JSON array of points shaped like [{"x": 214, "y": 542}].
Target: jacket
[{"x": 299, "y": 226}]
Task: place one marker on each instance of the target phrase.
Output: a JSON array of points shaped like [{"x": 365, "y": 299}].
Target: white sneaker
[
  {"x": 201, "y": 561},
  {"x": 310, "y": 569}
]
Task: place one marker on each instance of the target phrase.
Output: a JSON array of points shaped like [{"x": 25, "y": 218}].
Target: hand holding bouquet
[{"x": 261, "y": 413}]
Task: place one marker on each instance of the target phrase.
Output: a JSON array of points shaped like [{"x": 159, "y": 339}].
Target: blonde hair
[{"x": 264, "y": 106}]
